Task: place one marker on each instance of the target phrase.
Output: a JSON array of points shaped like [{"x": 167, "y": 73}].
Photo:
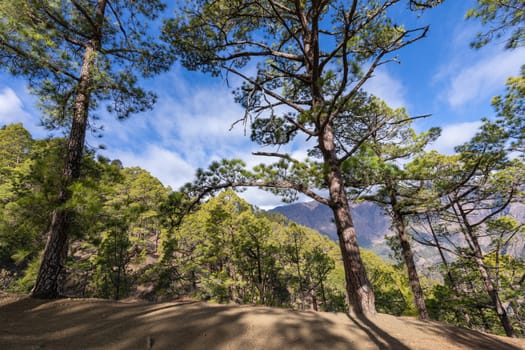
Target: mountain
[
  {"x": 517, "y": 247},
  {"x": 371, "y": 222}
]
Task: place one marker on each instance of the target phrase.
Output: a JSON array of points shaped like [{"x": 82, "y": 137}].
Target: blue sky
[{"x": 190, "y": 124}]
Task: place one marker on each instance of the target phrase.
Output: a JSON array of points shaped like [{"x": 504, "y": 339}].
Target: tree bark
[
  {"x": 493, "y": 293},
  {"x": 359, "y": 290},
  {"x": 51, "y": 275},
  {"x": 451, "y": 279},
  {"x": 408, "y": 256},
  {"x": 496, "y": 301}
]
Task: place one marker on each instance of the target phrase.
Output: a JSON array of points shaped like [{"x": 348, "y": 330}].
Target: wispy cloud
[
  {"x": 484, "y": 78},
  {"x": 11, "y": 107},
  {"x": 261, "y": 198},
  {"x": 162, "y": 163},
  {"x": 453, "y": 135},
  {"x": 15, "y": 108},
  {"x": 467, "y": 78},
  {"x": 389, "y": 89},
  {"x": 189, "y": 128}
]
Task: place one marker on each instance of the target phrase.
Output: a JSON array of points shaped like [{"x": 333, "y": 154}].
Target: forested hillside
[
  {"x": 129, "y": 242},
  {"x": 126, "y": 242},
  {"x": 373, "y": 225},
  {"x": 76, "y": 223}
]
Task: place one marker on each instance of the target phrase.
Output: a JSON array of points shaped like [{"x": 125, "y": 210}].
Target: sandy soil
[{"x": 100, "y": 324}]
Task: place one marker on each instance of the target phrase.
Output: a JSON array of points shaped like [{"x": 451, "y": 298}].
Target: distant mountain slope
[
  {"x": 517, "y": 247},
  {"x": 372, "y": 224},
  {"x": 370, "y": 220}
]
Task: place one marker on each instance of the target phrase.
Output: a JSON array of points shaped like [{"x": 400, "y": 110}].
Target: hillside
[
  {"x": 101, "y": 324},
  {"x": 370, "y": 220},
  {"x": 372, "y": 224}
]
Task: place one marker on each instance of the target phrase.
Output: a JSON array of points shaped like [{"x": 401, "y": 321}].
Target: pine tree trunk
[
  {"x": 494, "y": 297},
  {"x": 55, "y": 253},
  {"x": 51, "y": 275},
  {"x": 450, "y": 278},
  {"x": 408, "y": 256},
  {"x": 359, "y": 290},
  {"x": 493, "y": 293}
]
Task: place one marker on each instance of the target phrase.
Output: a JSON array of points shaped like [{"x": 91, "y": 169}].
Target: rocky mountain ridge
[{"x": 372, "y": 224}]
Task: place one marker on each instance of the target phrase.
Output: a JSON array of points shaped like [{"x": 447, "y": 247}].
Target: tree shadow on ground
[
  {"x": 102, "y": 324},
  {"x": 381, "y": 338},
  {"x": 99, "y": 324},
  {"x": 466, "y": 338}
]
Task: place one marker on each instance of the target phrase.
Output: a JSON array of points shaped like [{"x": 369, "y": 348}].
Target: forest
[{"x": 75, "y": 223}]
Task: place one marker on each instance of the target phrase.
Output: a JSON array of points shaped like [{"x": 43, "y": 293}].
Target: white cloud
[
  {"x": 10, "y": 107},
  {"x": 453, "y": 135},
  {"x": 383, "y": 85},
  {"x": 484, "y": 78},
  {"x": 262, "y": 199},
  {"x": 162, "y": 163}
]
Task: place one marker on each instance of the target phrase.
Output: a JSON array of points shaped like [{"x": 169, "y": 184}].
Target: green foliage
[
  {"x": 312, "y": 59},
  {"x": 226, "y": 251},
  {"x": 46, "y": 41},
  {"x": 27, "y": 281},
  {"x": 32, "y": 177},
  {"x": 452, "y": 303},
  {"x": 510, "y": 109},
  {"x": 469, "y": 221},
  {"x": 135, "y": 238},
  {"x": 393, "y": 296},
  {"x": 115, "y": 215},
  {"x": 111, "y": 277},
  {"x": 502, "y": 16},
  {"x": 217, "y": 36}
]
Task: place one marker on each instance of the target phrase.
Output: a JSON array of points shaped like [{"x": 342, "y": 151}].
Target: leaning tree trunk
[
  {"x": 493, "y": 293},
  {"x": 451, "y": 279},
  {"x": 408, "y": 256},
  {"x": 51, "y": 275},
  {"x": 359, "y": 290}
]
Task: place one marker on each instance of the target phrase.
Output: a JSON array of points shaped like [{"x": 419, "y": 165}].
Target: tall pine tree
[{"x": 76, "y": 55}]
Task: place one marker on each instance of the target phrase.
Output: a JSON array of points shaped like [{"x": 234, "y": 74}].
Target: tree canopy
[
  {"x": 76, "y": 55},
  {"x": 303, "y": 65}
]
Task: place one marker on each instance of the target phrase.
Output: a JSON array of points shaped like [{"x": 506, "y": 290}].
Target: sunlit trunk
[
  {"x": 359, "y": 290},
  {"x": 408, "y": 256},
  {"x": 51, "y": 275}
]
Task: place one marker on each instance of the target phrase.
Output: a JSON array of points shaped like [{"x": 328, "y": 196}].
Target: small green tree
[{"x": 111, "y": 277}]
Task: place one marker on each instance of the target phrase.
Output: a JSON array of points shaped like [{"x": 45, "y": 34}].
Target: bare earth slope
[{"x": 99, "y": 324}]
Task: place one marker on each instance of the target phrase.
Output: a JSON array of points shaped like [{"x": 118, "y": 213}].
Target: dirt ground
[{"x": 100, "y": 324}]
